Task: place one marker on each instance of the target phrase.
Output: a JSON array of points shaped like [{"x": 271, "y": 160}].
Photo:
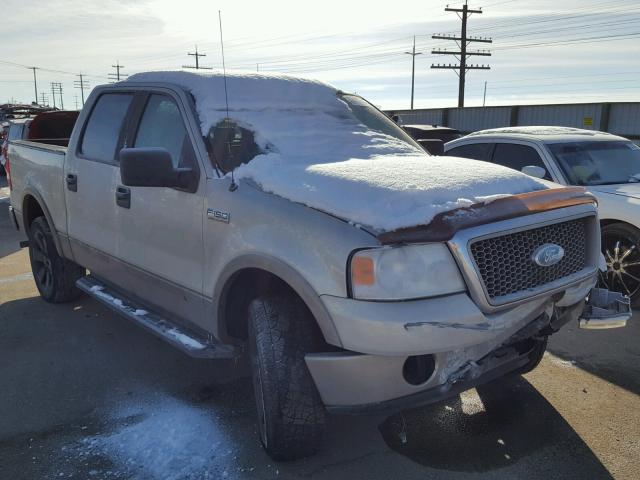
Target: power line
[
  {"x": 197, "y": 56},
  {"x": 82, "y": 84},
  {"x": 116, "y": 76},
  {"x": 413, "y": 54},
  {"x": 463, "y": 42}
]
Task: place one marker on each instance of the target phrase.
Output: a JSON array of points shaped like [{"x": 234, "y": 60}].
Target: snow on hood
[{"x": 319, "y": 154}]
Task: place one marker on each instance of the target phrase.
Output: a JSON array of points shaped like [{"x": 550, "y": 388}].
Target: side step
[{"x": 192, "y": 345}]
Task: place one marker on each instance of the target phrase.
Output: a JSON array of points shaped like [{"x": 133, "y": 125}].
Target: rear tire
[
  {"x": 291, "y": 414},
  {"x": 55, "y": 276}
]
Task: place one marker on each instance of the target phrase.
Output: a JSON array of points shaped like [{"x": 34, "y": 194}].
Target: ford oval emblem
[{"x": 548, "y": 254}]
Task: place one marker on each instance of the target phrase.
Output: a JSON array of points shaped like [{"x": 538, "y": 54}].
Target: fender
[
  {"x": 286, "y": 273},
  {"x": 29, "y": 191}
]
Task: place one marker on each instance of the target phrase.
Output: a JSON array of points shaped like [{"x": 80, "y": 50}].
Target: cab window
[
  {"x": 162, "y": 126},
  {"x": 474, "y": 151},
  {"x": 102, "y": 132},
  {"x": 517, "y": 157}
]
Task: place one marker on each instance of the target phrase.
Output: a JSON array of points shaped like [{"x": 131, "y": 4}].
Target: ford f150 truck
[{"x": 285, "y": 218}]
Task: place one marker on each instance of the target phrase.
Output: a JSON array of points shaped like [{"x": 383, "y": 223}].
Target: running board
[{"x": 192, "y": 345}]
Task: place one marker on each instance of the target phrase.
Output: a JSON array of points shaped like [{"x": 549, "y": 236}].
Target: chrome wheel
[{"x": 622, "y": 255}]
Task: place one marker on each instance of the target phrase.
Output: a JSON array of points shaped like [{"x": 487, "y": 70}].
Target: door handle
[
  {"x": 72, "y": 182},
  {"x": 123, "y": 197}
]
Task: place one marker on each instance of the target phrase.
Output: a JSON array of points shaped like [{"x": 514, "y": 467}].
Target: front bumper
[{"x": 382, "y": 335}]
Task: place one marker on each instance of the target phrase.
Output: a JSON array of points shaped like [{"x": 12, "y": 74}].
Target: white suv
[{"x": 607, "y": 164}]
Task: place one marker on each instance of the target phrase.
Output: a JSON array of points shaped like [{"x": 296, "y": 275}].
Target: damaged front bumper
[
  {"x": 468, "y": 347},
  {"x": 605, "y": 309}
]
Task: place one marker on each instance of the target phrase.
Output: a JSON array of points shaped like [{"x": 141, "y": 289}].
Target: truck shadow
[{"x": 495, "y": 426}]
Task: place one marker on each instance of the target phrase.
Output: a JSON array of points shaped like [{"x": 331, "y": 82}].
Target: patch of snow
[
  {"x": 184, "y": 339},
  {"x": 165, "y": 439},
  {"x": 316, "y": 152},
  {"x": 140, "y": 313}
]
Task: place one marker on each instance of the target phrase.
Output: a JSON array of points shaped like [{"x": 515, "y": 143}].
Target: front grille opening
[
  {"x": 418, "y": 369},
  {"x": 506, "y": 266}
]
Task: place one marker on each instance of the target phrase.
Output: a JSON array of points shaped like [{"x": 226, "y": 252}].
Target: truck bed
[{"x": 37, "y": 169}]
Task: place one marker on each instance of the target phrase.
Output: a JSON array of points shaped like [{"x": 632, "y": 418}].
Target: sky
[{"x": 543, "y": 51}]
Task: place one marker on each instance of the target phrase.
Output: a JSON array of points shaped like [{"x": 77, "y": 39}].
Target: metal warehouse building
[{"x": 620, "y": 118}]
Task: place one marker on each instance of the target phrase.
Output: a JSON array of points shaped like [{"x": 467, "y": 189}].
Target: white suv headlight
[{"x": 404, "y": 272}]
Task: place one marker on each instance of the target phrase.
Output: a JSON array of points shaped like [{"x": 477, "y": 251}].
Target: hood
[
  {"x": 625, "y": 189},
  {"x": 388, "y": 193}
]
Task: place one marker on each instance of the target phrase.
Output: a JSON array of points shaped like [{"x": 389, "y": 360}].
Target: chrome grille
[{"x": 505, "y": 262}]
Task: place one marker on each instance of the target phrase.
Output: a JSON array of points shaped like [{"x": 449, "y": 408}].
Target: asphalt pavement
[{"x": 84, "y": 394}]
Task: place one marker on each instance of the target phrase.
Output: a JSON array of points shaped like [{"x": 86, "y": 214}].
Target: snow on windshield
[{"x": 317, "y": 152}]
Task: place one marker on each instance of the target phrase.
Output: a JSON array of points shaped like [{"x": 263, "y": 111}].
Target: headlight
[{"x": 405, "y": 272}]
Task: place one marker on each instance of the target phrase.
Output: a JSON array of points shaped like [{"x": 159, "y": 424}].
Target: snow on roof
[
  {"x": 539, "y": 131},
  {"x": 318, "y": 153}
]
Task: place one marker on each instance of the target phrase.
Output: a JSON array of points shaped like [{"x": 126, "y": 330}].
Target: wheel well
[
  {"x": 241, "y": 289},
  {"x": 31, "y": 210},
  {"x": 611, "y": 221}
]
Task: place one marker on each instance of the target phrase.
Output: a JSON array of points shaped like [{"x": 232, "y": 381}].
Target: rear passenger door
[
  {"x": 91, "y": 173},
  {"x": 160, "y": 228}
]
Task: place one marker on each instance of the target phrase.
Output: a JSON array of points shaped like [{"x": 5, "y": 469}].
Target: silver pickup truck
[{"x": 299, "y": 224}]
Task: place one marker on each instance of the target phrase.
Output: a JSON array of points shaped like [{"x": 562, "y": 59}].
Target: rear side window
[
  {"x": 517, "y": 156},
  {"x": 15, "y": 131},
  {"x": 474, "y": 151},
  {"x": 162, "y": 126},
  {"x": 102, "y": 133}
]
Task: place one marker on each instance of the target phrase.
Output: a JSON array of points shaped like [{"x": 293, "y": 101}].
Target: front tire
[
  {"x": 55, "y": 276},
  {"x": 621, "y": 250},
  {"x": 291, "y": 414}
]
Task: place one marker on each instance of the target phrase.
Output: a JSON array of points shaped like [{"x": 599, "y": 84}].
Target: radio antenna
[{"x": 233, "y": 187}]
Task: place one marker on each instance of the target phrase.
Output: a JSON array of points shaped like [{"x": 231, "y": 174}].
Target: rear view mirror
[
  {"x": 534, "y": 171},
  {"x": 434, "y": 146},
  {"x": 153, "y": 167}
]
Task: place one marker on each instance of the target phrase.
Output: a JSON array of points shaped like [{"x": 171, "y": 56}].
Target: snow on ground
[
  {"x": 165, "y": 438},
  {"x": 316, "y": 152}
]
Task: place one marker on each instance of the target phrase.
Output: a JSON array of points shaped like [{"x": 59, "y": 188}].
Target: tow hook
[{"x": 605, "y": 309}]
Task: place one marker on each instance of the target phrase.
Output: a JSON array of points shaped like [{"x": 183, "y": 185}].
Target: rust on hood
[{"x": 444, "y": 226}]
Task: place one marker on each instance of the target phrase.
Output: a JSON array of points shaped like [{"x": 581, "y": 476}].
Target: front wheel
[
  {"x": 621, "y": 250},
  {"x": 291, "y": 414},
  {"x": 54, "y": 275}
]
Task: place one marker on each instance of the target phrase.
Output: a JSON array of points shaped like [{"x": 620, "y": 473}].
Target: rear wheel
[
  {"x": 291, "y": 415},
  {"x": 621, "y": 249},
  {"x": 55, "y": 276}
]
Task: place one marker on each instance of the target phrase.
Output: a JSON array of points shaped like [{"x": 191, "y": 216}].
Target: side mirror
[
  {"x": 534, "y": 171},
  {"x": 434, "y": 146},
  {"x": 152, "y": 167}
]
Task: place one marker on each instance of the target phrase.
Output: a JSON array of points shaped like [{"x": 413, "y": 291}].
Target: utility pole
[
  {"x": 35, "y": 82},
  {"x": 461, "y": 55},
  {"x": 116, "y": 76},
  {"x": 43, "y": 99},
  {"x": 413, "y": 67},
  {"x": 484, "y": 97},
  {"x": 56, "y": 87},
  {"x": 82, "y": 84},
  {"x": 197, "y": 56}
]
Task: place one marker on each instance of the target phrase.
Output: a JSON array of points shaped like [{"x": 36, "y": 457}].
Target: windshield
[
  {"x": 374, "y": 119},
  {"x": 598, "y": 163}
]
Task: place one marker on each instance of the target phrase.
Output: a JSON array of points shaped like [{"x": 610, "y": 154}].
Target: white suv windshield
[{"x": 598, "y": 163}]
